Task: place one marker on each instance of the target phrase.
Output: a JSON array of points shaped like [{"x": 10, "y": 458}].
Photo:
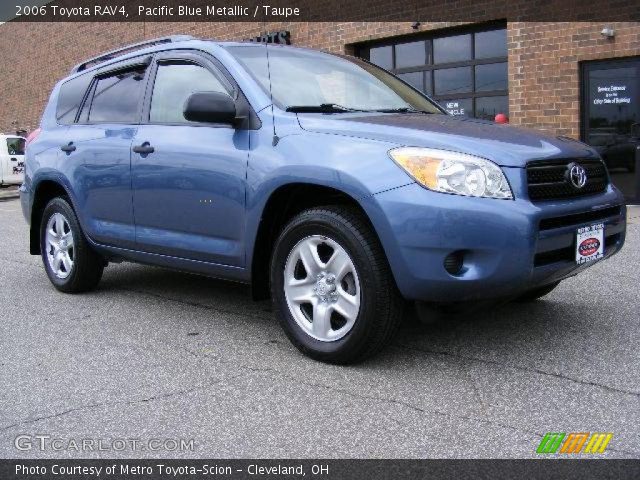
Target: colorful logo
[
  {"x": 589, "y": 247},
  {"x": 574, "y": 442}
]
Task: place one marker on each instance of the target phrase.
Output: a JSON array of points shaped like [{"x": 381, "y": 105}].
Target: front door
[
  {"x": 188, "y": 178},
  {"x": 611, "y": 119}
]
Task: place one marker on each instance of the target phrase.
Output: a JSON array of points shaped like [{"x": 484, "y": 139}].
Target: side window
[
  {"x": 174, "y": 83},
  {"x": 15, "y": 146},
  {"x": 116, "y": 97},
  {"x": 70, "y": 97}
]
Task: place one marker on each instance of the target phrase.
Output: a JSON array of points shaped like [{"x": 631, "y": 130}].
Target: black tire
[
  {"x": 380, "y": 301},
  {"x": 87, "y": 264},
  {"x": 537, "y": 293}
]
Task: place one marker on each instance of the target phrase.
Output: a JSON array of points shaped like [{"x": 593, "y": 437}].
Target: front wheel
[
  {"x": 70, "y": 263},
  {"x": 332, "y": 288}
]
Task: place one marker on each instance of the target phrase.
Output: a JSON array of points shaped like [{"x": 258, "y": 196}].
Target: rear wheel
[
  {"x": 70, "y": 263},
  {"x": 537, "y": 293},
  {"x": 332, "y": 288}
]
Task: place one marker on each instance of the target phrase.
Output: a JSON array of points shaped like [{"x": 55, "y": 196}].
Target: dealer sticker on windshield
[{"x": 590, "y": 243}]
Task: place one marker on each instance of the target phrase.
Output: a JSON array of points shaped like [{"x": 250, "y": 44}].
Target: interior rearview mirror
[{"x": 210, "y": 107}]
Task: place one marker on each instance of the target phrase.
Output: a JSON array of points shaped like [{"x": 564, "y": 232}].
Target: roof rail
[{"x": 129, "y": 48}]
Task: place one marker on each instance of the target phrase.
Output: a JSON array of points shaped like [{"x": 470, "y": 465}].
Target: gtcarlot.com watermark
[{"x": 57, "y": 444}]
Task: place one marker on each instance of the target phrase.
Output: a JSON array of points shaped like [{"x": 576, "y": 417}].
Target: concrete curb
[{"x": 9, "y": 194}]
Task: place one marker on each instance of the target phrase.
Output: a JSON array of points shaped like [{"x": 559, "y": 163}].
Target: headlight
[{"x": 451, "y": 172}]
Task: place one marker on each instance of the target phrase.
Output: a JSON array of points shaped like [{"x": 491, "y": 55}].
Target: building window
[
  {"x": 410, "y": 54},
  {"x": 465, "y": 71},
  {"x": 488, "y": 107},
  {"x": 382, "y": 56},
  {"x": 491, "y": 77},
  {"x": 456, "y": 48},
  {"x": 452, "y": 81},
  {"x": 490, "y": 44}
]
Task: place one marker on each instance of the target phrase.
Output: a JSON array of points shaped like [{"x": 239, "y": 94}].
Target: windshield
[
  {"x": 305, "y": 78},
  {"x": 15, "y": 145}
]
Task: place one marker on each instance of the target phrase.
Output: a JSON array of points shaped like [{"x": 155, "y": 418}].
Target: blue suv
[{"x": 322, "y": 180}]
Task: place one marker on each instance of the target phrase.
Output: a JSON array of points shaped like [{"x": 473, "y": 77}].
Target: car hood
[{"x": 503, "y": 144}]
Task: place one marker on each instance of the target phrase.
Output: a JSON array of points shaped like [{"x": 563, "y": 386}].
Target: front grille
[
  {"x": 554, "y": 256},
  {"x": 547, "y": 179},
  {"x": 579, "y": 218}
]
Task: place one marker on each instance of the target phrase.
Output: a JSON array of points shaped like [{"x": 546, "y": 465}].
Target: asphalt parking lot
[{"x": 158, "y": 354}]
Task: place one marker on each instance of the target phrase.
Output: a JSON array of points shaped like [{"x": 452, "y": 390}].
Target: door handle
[
  {"x": 144, "y": 148},
  {"x": 68, "y": 148}
]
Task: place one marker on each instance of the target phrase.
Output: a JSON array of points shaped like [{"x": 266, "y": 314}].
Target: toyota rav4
[{"x": 323, "y": 181}]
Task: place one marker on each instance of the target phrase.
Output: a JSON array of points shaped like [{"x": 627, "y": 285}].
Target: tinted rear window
[
  {"x": 70, "y": 98},
  {"x": 117, "y": 96}
]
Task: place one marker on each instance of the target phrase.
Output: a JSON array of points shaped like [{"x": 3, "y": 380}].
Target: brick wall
[
  {"x": 543, "y": 58},
  {"x": 544, "y": 69},
  {"x": 34, "y": 56}
]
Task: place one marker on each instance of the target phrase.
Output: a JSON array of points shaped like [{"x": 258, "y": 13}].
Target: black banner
[
  {"x": 546, "y": 469},
  {"x": 317, "y": 10}
]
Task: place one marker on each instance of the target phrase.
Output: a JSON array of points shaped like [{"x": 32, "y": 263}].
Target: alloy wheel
[
  {"x": 322, "y": 288},
  {"x": 60, "y": 245}
]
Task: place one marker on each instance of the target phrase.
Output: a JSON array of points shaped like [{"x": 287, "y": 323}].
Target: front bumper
[{"x": 509, "y": 246}]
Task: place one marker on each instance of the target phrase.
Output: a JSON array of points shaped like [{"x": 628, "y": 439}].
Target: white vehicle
[{"x": 11, "y": 159}]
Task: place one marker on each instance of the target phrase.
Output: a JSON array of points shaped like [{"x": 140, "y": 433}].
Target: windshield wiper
[
  {"x": 400, "y": 110},
  {"x": 322, "y": 108},
  {"x": 335, "y": 108}
]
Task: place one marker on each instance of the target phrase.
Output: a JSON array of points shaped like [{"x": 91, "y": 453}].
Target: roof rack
[{"x": 129, "y": 48}]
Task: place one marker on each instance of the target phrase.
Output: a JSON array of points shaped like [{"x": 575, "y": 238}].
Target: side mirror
[{"x": 210, "y": 107}]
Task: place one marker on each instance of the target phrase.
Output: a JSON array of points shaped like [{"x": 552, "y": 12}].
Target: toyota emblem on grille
[{"x": 577, "y": 175}]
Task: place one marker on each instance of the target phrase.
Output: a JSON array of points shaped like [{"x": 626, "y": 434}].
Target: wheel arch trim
[
  {"x": 37, "y": 206},
  {"x": 256, "y": 219}
]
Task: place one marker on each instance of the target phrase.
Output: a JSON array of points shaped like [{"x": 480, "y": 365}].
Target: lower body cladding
[{"x": 449, "y": 248}]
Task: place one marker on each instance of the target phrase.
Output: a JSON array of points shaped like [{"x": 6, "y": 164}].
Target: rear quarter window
[{"x": 70, "y": 98}]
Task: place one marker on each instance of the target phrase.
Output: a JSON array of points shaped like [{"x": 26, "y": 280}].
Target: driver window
[{"x": 174, "y": 83}]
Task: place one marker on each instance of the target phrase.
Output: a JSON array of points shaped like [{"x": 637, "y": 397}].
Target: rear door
[
  {"x": 189, "y": 192},
  {"x": 101, "y": 141},
  {"x": 14, "y": 160}
]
